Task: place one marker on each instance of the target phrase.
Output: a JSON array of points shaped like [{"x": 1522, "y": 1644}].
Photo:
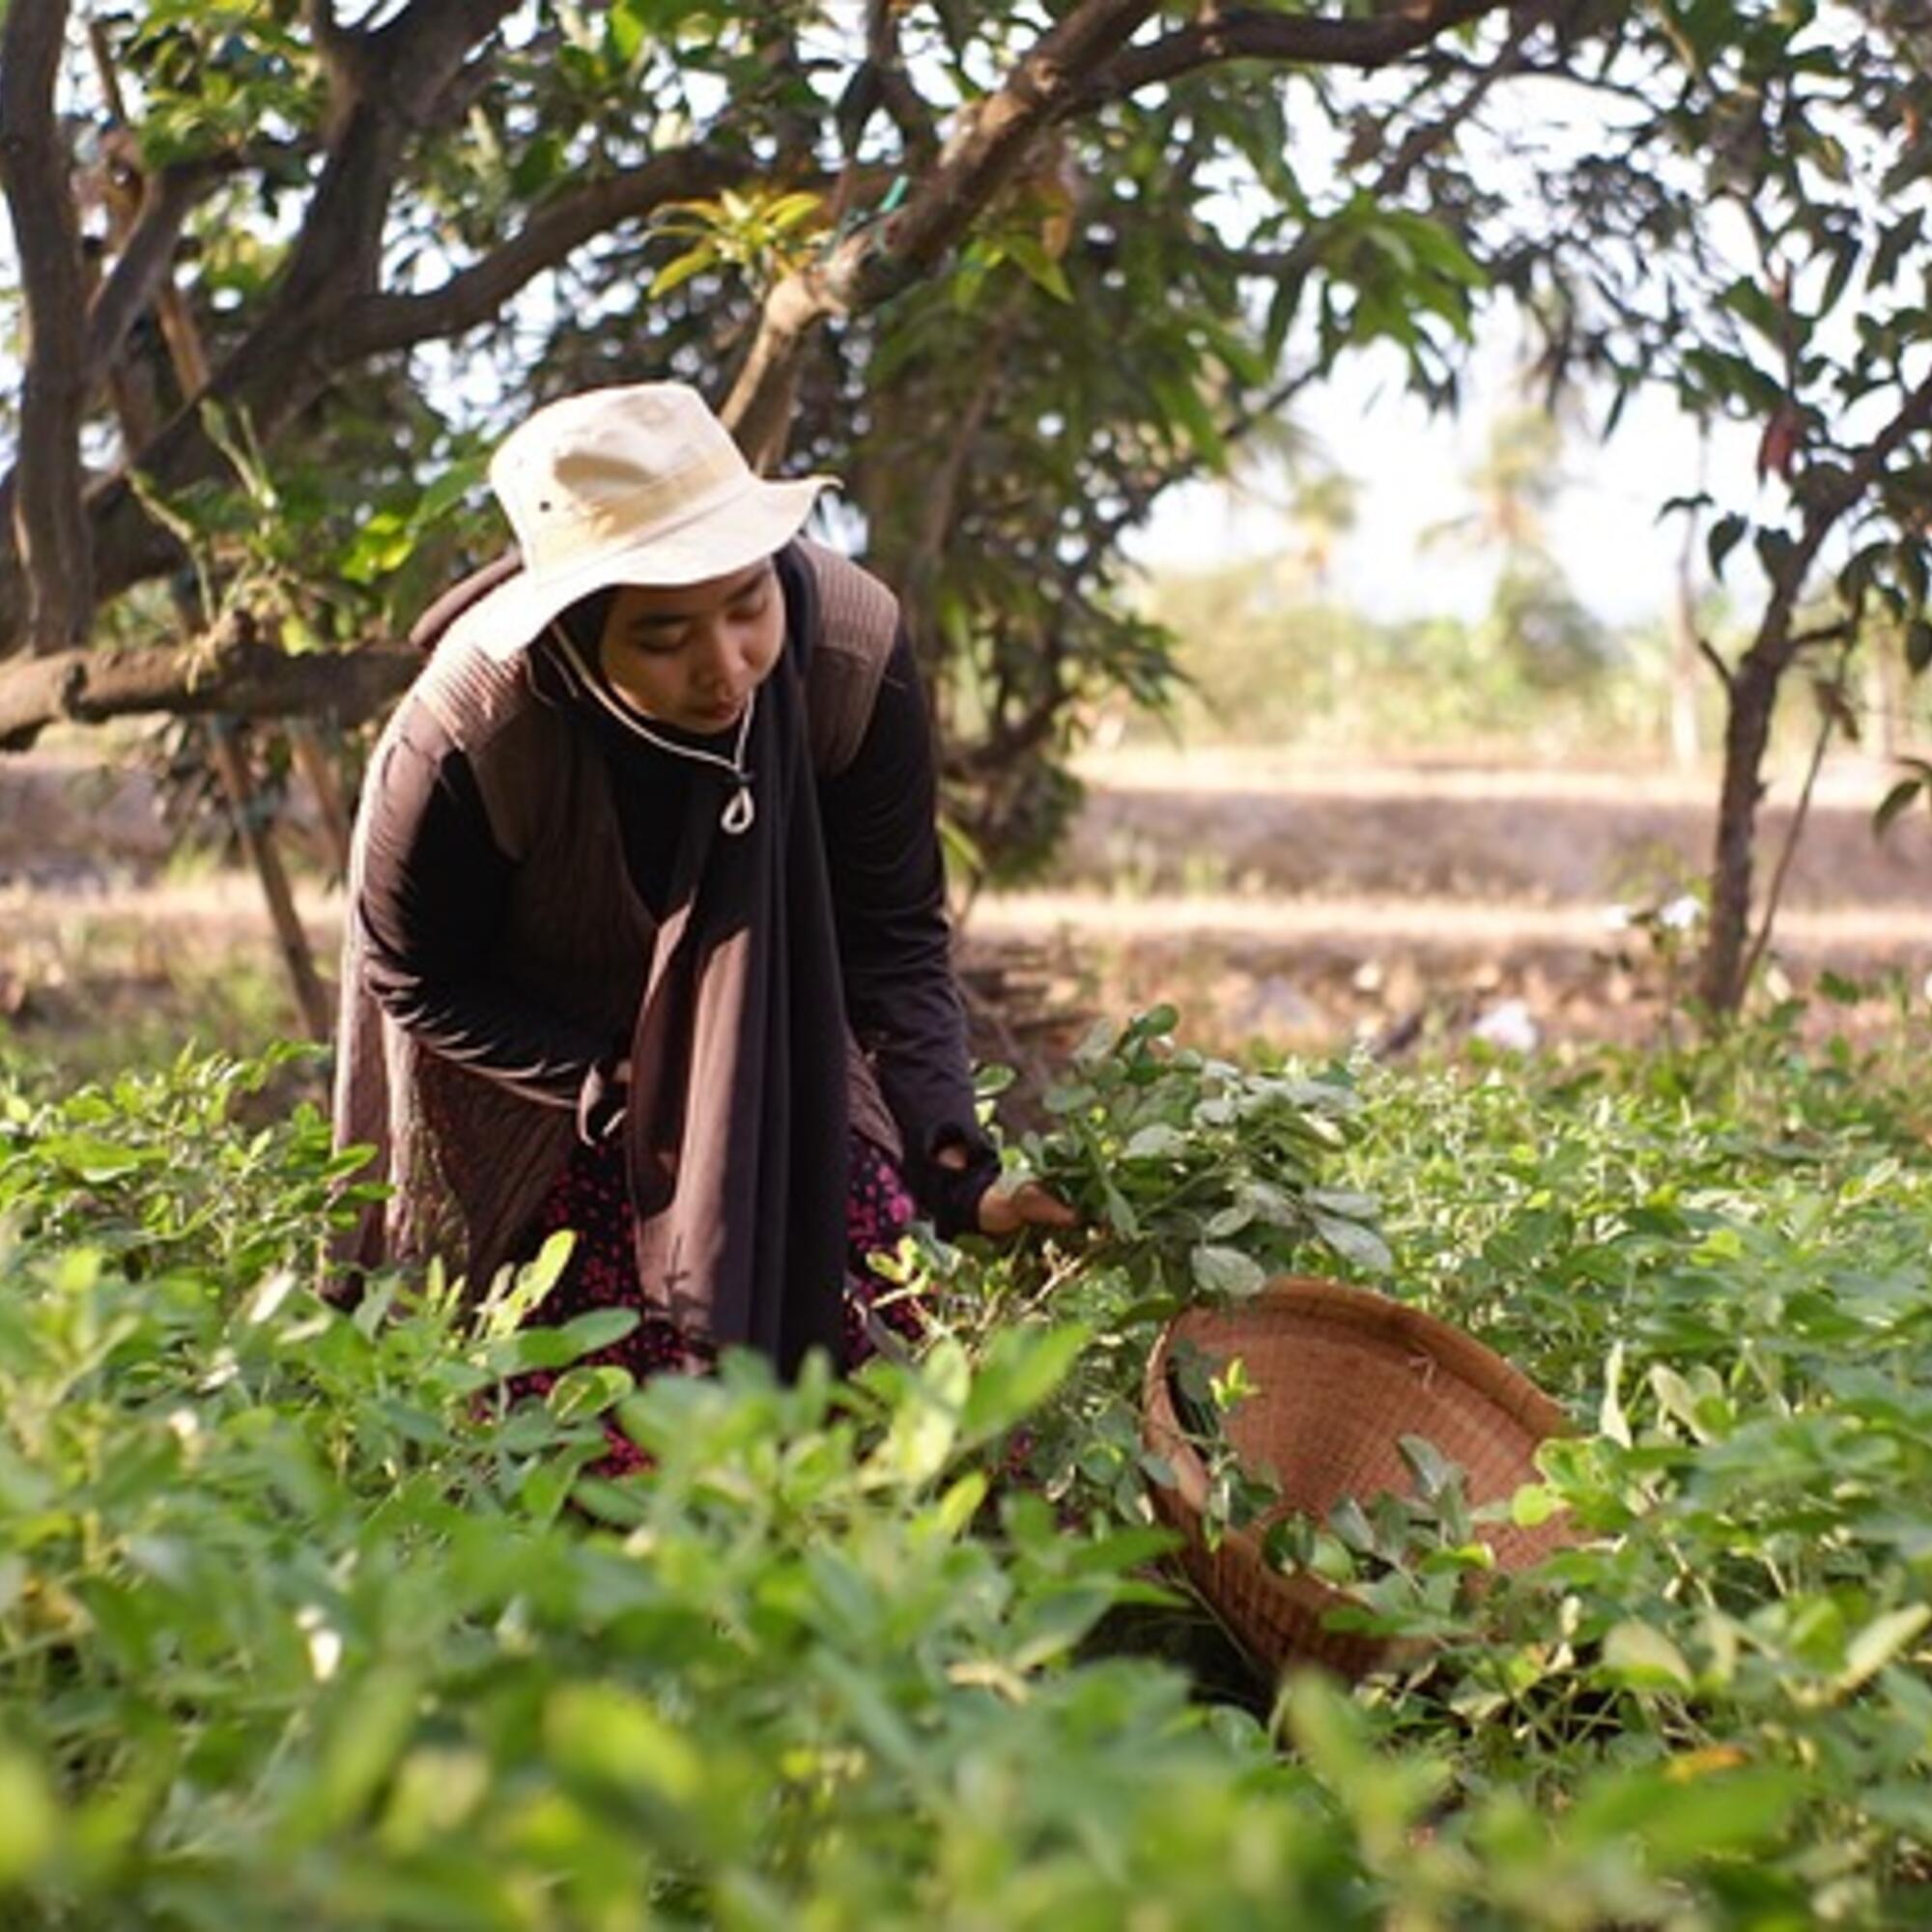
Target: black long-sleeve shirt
[{"x": 436, "y": 889}]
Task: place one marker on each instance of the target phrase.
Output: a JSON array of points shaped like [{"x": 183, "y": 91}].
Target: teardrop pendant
[{"x": 739, "y": 812}]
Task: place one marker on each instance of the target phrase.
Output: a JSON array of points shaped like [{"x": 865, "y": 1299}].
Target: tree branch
[
  {"x": 868, "y": 267},
  {"x": 144, "y": 260},
  {"x": 283, "y": 363},
  {"x": 985, "y": 147},
  {"x": 1781, "y": 871},
  {"x": 343, "y": 54},
  {"x": 1249, "y": 34},
  {"x": 389, "y": 81},
  {"x": 231, "y": 671},
  {"x": 49, "y": 523},
  {"x": 375, "y": 324}
]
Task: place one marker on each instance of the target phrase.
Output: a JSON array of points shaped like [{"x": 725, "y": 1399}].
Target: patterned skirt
[{"x": 588, "y": 1197}]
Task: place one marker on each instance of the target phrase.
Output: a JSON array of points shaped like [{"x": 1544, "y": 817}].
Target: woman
[{"x": 647, "y": 932}]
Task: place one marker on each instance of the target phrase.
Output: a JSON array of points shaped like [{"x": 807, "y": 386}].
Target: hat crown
[
  {"x": 637, "y": 484},
  {"x": 614, "y": 464}
]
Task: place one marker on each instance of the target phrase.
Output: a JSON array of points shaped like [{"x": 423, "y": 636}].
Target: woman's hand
[{"x": 1004, "y": 1210}]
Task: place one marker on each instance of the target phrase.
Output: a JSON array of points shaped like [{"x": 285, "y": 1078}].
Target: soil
[{"x": 1308, "y": 904}]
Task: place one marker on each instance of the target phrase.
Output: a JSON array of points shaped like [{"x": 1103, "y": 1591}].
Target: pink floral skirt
[{"x": 588, "y": 1197}]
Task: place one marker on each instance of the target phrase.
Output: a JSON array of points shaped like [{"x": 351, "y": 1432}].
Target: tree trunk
[
  {"x": 49, "y": 528},
  {"x": 1752, "y": 698},
  {"x": 255, "y": 830}
]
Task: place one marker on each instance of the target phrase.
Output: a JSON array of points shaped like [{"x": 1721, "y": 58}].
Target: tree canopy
[{"x": 1008, "y": 269}]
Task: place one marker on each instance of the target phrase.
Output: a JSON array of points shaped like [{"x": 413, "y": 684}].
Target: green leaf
[
  {"x": 926, "y": 1419},
  {"x": 609, "y": 1734},
  {"x": 1433, "y": 1472},
  {"x": 370, "y": 1723},
  {"x": 1725, "y": 534},
  {"x": 584, "y": 1392},
  {"x": 599, "y": 1328},
  {"x": 1226, "y": 1273},
  {"x": 1362, "y": 1247},
  {"x": 791, "y": 210},
  {"x": 29, "y": 1818},
  {"x": 448, "y": 490},
  {"x": 1894, "y": 244},
  {"x": 1893, "y": 803},
  {"x": 1157, "y": 1142},
  {"x": 1644, "y": 1658},
  {"x": 1027, "y": 254},
  {"x": 1023, "y": 1368},
  {"x": 1182, "y": 407},
  {"x": 92, "y": 1159},
  {"x": 1878, "y": 1643},
  {"x": 693, "y": 261}
]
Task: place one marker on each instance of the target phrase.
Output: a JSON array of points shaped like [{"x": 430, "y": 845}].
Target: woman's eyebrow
[{"x": 652, "y": 620}]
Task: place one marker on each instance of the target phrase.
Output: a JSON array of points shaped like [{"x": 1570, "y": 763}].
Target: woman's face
[{"x": 693, "y": 654}]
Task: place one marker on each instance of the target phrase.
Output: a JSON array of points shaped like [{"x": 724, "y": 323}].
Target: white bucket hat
[{"x": 634, "y": 485}]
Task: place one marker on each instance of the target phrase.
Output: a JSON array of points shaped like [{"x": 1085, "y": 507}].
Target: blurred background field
[{"x": 1407, "y": 836}]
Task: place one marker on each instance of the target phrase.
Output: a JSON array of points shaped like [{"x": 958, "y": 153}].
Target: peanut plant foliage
[{"x": 306, "y": 1622}]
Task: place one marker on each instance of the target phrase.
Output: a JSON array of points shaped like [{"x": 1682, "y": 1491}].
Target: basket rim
[{"x": 1344, "y": 1305}]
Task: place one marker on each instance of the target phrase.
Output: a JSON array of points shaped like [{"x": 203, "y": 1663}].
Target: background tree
[
  {"x": 1757, "y": 245},
  {"x": 1009, "y": 269},
  {"x": 1535, "y": 618}
]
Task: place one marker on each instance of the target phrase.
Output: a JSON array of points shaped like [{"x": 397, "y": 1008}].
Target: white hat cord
[{"x": 740, "y": 808}]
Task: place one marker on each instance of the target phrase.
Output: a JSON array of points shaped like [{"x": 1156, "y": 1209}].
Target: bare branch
[
  {"x": 49, "y": 524},
  {"x": 143, "y": 263},
  {"x": 231, "y": 671},
  {"x": 1250, "y": 34},
  {"x": 1826, "y": 724},
  {"x": 1709, "y": 652},
  {"x": 471, "y": 297}
]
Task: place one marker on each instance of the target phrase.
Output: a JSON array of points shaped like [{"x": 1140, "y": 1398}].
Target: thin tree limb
[
  {"x": 1709, "y": 652},
  {"x": 376, "y": 324},
  {"x": 145, "y": 258},
  {"x": 1827, "y": 724},
  {"x": 987, "y": 145},
  {"x": 50, "y": 520},
  {"x": 1249, "y": 34}
]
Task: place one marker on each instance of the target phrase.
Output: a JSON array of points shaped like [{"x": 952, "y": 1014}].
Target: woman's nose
[{"x": 721, "y": 666}]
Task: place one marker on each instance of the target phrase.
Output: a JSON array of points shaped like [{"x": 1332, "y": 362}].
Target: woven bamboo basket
[{"x": 1341, "y": 1375}]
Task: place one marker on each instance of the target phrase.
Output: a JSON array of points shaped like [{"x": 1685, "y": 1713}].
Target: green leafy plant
[
  {"x": 306, "y": 1619},
  {"x": 1202, "y": 1176}
]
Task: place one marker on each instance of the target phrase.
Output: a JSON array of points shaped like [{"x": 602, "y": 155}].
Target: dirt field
[
  {"x": 1310, "y": 903},
  {"x": 1307, "y": 904}
]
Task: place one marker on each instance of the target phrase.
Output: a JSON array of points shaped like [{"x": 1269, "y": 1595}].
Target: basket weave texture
[{"x": 1341, "y": 1373}]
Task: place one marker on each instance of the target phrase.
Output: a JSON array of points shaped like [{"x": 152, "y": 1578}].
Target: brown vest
[{"x": 466, "y": 1160}]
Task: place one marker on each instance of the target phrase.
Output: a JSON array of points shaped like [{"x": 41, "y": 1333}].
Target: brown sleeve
[{"x": 433, "y": 892}]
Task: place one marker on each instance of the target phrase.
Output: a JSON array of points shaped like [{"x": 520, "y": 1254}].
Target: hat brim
[{"x": 726, "y": 536}]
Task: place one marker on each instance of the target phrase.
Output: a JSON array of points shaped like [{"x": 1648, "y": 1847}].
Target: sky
[{"x": 1605, "y": 532}]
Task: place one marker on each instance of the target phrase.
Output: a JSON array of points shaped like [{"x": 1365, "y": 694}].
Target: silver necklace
[{"x": 740, "y": 808}]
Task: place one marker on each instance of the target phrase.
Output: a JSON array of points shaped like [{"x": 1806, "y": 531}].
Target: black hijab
[{"x": 735, "y": 1134}]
